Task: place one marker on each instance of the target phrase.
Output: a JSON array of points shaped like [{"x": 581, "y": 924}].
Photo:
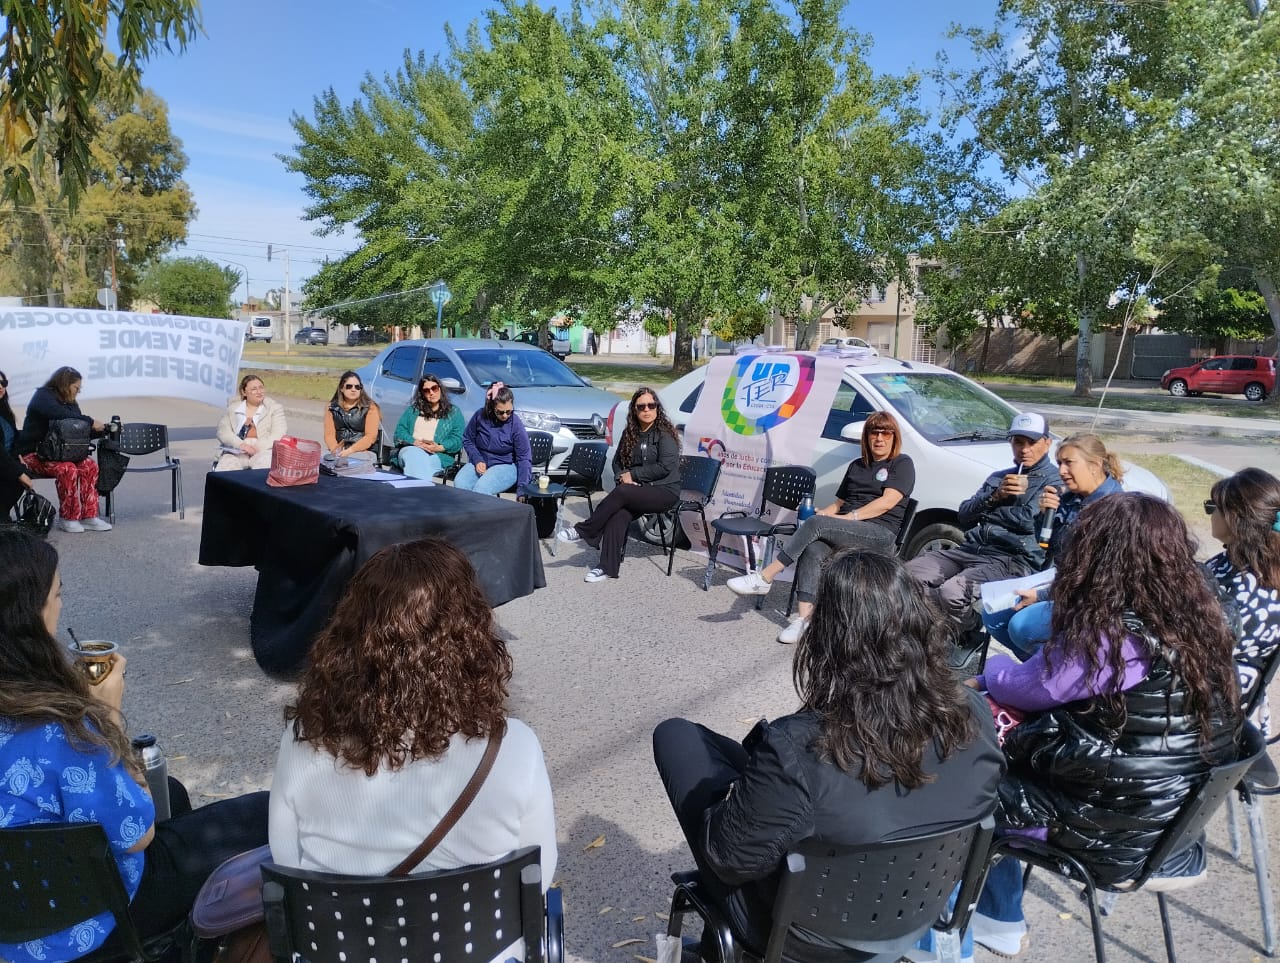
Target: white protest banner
[
  {"x": 757, "y": 410},
  {"x": 121, "y": 354}
]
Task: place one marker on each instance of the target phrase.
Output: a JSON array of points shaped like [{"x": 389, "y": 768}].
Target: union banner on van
[
  {"x": 755, "y": 411},
  {"x": 121, "y": 354}
]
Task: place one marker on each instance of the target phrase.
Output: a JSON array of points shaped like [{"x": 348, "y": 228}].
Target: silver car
[{"x": 548, "y": 396}]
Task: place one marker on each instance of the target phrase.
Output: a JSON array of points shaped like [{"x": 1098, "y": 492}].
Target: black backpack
[{"x": 67, "y": 439}]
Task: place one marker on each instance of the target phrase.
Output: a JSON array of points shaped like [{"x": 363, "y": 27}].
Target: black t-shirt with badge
[{"x": 865, "y": 483}]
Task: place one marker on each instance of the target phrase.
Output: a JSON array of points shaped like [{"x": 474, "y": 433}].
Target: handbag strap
[{"x": 454, "y": 814}]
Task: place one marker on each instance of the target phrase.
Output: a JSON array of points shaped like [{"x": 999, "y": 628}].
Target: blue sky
[{"x": 232, "y": 92}]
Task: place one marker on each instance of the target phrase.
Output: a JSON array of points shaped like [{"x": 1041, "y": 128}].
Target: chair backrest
[
  {"x": 142, "y": 438},
  {"x": 56, "y": 875},
  {"x": 1204, "y": 801},
  {"x": 876, "y": 896},
  {"x": 698, "y": 477},
  {"x": 585, "y": 464},
  {"x": 786, "y": 486},
  {"x": 541, "y": 444},
  {"x": 905, "y": 527},
  {"x": 471, "y": 913}
]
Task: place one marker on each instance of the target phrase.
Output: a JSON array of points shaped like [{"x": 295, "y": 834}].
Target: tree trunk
[
  {"x": 682, "y": 342},
  {"x": 1084, "y": 370},
  {"x": 1267, "y": 288},
  {"x": 986, "y": 346}
]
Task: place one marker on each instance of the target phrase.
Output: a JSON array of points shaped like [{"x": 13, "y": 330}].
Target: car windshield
[
  {"x": 517, "y": 369},
  {"x": 944, "y": 408}
]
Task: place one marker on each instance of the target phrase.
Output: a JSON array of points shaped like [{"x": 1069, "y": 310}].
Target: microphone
[{"x": 1047, "y": 519}]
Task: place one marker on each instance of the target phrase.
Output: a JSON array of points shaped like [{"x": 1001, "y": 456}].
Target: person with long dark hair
[
  {"x": 497, "y": 446},
  {"x": 76, "y": 481},
  {"x": 885, "y": 744},
  {"x": 405, "y": 687},
  {"x": 65, "y": 757},
  {"x": 646, "y": 471},
  {"x": 429, "y": 433},
  {"x": 14, "y": 479},
  {"x": 869, "y": 507},
  {"x": 1130, "y": 702},
  {"x": 352, "y": 419}
]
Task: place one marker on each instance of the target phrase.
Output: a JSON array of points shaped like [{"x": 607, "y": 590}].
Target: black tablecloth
[{"x": 306, "y": 542}]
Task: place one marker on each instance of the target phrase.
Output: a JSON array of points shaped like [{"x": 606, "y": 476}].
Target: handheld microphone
[{"x": 1047, "y": 519}]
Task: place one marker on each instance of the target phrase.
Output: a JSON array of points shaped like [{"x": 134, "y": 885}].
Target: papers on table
[
  {"x": 394, "y": 479},
  {"x": 998, "y": 596}
]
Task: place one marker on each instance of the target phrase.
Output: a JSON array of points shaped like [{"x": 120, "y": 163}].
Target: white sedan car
[{"x": 954, "y": 430}]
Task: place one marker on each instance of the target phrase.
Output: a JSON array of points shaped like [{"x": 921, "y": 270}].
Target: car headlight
[
  {"x": 1165, "y": 375},
  {"x": 539, "y": 420}
]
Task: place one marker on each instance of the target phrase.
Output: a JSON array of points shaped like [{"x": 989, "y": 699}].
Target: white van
[{"x": 259, "y": 329}]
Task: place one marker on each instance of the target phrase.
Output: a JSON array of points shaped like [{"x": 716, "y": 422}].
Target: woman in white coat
[{"x": 249, "y": 427}]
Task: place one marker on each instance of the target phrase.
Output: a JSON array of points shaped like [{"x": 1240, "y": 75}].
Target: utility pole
[{"x": 286, "y": 294}]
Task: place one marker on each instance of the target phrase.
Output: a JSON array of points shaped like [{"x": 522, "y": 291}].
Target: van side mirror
[{"x": 452, "y": 384}]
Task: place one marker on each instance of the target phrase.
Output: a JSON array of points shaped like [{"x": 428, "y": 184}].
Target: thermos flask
[{"x": 156, "y": 771}]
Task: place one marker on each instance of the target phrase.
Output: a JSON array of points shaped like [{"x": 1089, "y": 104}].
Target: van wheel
[
  {"x": 933, "y": 538},
  {"x": 1254, "y": 391}
]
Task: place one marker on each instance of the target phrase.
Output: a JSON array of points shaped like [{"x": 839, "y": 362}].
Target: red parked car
[{"x": 1228, "y": 374}]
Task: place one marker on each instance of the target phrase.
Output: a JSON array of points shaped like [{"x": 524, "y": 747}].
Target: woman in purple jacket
[{"x": 497, "y": 446}]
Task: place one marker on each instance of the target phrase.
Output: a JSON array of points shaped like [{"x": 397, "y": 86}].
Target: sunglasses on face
[
  {"x": 646, "y": 406},
  {"x": 431, "y": 389},
  {"x": 880, "y": 431},
  {"x": 4, "y": 382},
  {"x": 503, "y": 412},
  {"x": 353, "y": 387},
  {"x": 1210, "y": 508}
]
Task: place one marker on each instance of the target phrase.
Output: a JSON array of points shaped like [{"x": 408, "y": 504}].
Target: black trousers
[
  {"x": 606, "y": 529},
  {"x": 188, "y": 847}
]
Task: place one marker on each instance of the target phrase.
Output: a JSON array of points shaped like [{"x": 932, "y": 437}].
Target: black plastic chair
[
  {"x": 698, "y": 477},
  {"x": 472, "y": 913},
  {"x": 56, "y": 875},
  {"x": 904, "y": 528},
  {"x": 583, "y": 470},
  {"x": 541, "y": 445},
  {"x": 141, "y": 438},
  {"x": 877, "y": 899},
  {"x": 386, "y": 454},
  {"x": 1196, "y": 811},
  {"x": 784, "y": 487}
]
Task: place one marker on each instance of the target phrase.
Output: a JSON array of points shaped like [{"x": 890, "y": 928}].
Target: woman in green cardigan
[{"x": 429, "y": 431}]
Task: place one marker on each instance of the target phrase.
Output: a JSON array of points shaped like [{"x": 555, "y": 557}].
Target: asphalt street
[{"x": 597, "y": 667}]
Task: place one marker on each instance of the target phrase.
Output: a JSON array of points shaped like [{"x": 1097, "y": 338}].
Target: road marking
[{"x": 1206, "y": 465}]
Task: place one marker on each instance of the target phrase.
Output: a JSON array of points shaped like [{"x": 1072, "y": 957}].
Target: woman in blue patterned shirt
[{"x": 65, "y": 758}]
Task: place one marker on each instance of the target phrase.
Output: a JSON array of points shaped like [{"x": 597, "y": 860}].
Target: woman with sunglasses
[
  {"x": 352, "y": 420},
  {"x": 429, "y": 432},
  {"x": 866, "y": 515},
  {"x": 497, "y": 446},
  {"x": 646, "y": 468},
  {"x": 14, "y": 479}
]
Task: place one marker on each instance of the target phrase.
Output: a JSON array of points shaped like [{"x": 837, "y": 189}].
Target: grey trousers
[
  {"x": 953, "y": 578},
  {"x": 820, "y": 537}
]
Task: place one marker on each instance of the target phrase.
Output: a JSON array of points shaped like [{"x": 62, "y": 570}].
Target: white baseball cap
[{"x": 1029, "y": 425}]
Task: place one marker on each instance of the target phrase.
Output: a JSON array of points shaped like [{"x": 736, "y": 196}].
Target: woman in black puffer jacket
[{"x": 1130, "y": 703}]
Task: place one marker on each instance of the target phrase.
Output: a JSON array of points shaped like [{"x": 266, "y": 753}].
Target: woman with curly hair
[
  {"x": 65, "y": 757},
  {"x": 429, "y": 433},
  {"x": 885, "y": 744},
  {"x": 1130, "y": 702},
  {"x": 867, "y": 513},
  {"x": 406, "y": 686},
  {"x": 646, "y": 471}
]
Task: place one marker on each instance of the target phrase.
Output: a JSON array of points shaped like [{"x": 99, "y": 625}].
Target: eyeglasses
[
  {"x": 646, "y": 406},
  {"x": 881, "y": 431},
  {"x": 504, "y": 412},
  {"x": 354, "y": 387},
  {"x": 431, "y": 389},
  {"x": 1210, "y": 508}
]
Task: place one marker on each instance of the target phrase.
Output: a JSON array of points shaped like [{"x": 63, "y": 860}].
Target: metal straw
[{"x": 71, "y": 633}]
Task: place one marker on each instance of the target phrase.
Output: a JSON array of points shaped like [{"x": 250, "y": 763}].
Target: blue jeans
[
  {"x": 1001, "y": 897},
  {"x": 418, "y": 463},
  {"x": 1021, "y": 632},
  {"x": 496, "y": 480}
]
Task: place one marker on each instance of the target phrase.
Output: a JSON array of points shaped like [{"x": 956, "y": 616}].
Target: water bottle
[
  {"x": 156, "y": 771},
  {"x": 805, "y": 509}
]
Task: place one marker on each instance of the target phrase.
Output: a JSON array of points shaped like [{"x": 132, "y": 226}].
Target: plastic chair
[
  {"x": 698, "y": 477},
  {"x": 904, "y": 527},
  {"x": 541, "y": 444},
  {"x": 56, "y": 875},
  {"x": 142, "y": 438},
  {"x": 583, "y": 470},
  {"x": 784, "y": 486},
  {"x": 471, "y": 913},
  {"x": 385, "y": 454},
  {"x": 877, "y": 899},
  {"x": 1199, "y": 806}
]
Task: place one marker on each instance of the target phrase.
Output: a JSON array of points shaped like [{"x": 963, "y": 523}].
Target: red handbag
[{"x": 294, "y": 461}]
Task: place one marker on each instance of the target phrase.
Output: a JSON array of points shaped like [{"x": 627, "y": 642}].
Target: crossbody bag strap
[{"x": 455, "y": 812}]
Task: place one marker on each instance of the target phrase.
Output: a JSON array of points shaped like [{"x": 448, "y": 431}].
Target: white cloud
[{"x": 275, "y": 130}]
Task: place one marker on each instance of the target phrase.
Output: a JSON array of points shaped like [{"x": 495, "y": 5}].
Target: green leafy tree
[
  {"x": 53, "y": 62},
  {"x": 192, "y": 286}
]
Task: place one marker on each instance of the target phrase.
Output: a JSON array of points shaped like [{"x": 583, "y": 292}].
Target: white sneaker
[
  {"x": 595, "y": 575},
  {"x": 749, "y": 584},
  {"x": 1000, "y": 937},
  {"x": 70, "y": 525},
  {"x": 95, "y": 525},
  {"x": 791, "y": 634},
  {"x": 568, "y": 535}
]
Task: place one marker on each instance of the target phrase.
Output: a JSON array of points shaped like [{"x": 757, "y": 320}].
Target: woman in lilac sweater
[
  {"x": 1128, "y": 705},
  {"x": 497, "y": 446}
]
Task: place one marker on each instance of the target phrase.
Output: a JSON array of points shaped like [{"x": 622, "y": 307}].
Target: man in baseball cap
[{"x": 999, "y": 523}]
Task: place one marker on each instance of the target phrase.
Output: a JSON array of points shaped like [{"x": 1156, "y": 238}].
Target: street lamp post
[{"x": 440, "y": 296}]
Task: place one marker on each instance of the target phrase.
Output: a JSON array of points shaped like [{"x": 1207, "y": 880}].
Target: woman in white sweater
[{"x": 406, "y": 686}]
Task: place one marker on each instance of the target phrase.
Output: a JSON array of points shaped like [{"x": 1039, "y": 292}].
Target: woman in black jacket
[
  {"x": 646, "y": 470},
  {"x": 76, "y": 481},
  {"x": 885, "y": 744},
  {"x": 14, "y": 479}
]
